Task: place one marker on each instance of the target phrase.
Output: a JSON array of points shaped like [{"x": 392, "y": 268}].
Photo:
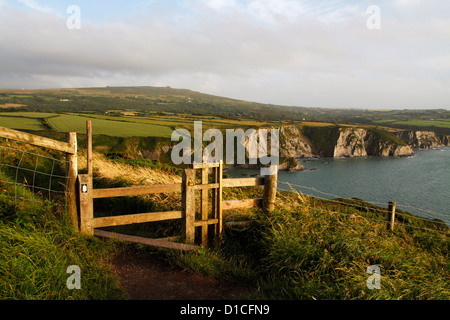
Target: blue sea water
[{"x": 419, "y": 184}]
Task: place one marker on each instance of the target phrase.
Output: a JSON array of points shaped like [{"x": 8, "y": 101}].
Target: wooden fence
[
  {"x": 69, "y": 148},
  {"x": 187, "y": 216}
]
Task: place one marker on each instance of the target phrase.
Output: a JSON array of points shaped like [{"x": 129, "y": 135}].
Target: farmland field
[
  {"x": 74, "y": 123},
  {"x": 441, "y": 123},
  {"x": 37, "y": 115},
  {"x": 21, "y": 123}
]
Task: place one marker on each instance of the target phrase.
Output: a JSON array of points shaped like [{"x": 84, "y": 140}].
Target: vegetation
[
  {"x": 37, "y": 245},
  {"x": 307, "y": 248},
  {"x": 302, "y": 251},
  {"x": 177, "y": 104}
]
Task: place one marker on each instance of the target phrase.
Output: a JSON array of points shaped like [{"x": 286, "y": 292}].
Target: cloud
[
  {"x": 281, "y": 52},
  {"x": 32, "y": 4}
]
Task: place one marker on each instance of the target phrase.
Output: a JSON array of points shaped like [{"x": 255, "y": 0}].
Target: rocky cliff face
[
  {"x": 293, "y": 144},
  {"x": 340, "y": 142},
  {"x": 445, "y": 139},
  {"x": 351, "y": 143},
  {"x": 362, "y": 143},
  {"x": 421, "y": 139}
]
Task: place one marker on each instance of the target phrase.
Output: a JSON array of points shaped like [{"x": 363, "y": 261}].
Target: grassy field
[
  {"x": 73, "y": 123},
  {"x": 113, "y": 126},
  {"x": 444, "y": 123},
  {"x": 21, "y": 123},
  {"x": 36, "y": 115}
]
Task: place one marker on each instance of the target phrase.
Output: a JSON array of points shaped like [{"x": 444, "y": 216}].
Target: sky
[{"x": 369, "y": 54}]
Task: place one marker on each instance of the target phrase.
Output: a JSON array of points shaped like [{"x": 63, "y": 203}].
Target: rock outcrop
[
  {"x": 293, "y": 144},
  {"x": 358, "y": 142},
  {"x": 421, "y": 139},
  {"x": 351, "y": 143},
  {"x": 291, "y": 164},
  {"x": 315, "y": 142},
  {"x": 445, "y": 139}
]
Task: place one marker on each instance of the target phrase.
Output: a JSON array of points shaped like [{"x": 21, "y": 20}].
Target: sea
[{"x": 419, "y": 184}]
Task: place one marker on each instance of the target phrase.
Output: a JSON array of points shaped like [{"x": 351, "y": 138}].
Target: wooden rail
[
  {"x": 69, "y": 148},
  {"x": 157, "y": 243},
  {"x": 39, "y": 141},
  {"x": 135, "y": 191}
]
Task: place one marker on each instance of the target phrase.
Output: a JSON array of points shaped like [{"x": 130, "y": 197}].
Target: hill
[{"x": 165, "y": 100}]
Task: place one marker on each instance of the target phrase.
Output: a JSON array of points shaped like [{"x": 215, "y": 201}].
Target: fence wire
[
  {"x": 31, "y": 176},
  {"x": 404, "y": 216}
]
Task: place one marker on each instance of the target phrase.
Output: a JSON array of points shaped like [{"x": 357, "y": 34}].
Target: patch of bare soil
[{"x": 147, "y": 277}]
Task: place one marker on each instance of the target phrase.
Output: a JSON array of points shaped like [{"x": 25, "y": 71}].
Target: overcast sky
[{"x": 291, "y": 52}]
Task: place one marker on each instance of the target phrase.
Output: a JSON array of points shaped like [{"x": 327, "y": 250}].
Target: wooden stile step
[{"x": 157, "y": 243}]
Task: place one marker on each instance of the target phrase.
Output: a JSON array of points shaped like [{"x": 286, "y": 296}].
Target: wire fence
[
  {"x": 32, "y": 174},
  {"x": 375, "y": 210}
]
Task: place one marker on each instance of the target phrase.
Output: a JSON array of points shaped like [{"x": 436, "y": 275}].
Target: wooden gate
[
  {"x": 209, "y": 185},
  {"x": 205, "y": 218}
]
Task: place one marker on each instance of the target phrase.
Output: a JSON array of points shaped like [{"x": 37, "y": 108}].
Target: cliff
[
  {"x": 308, "y": 142},
  {"x": 312, "y": 142},
  {"x": 445, "y": 139},
  {"x": 358, "y": 142},
  {"x": 422, "y": 139}
]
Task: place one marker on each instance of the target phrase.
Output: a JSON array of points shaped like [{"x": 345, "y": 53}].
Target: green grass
[
  {"x": 300, "y": 251},
  {"x": 73, "y": 123},
  {"x": 21, "y": 123},
  {"x": 38, "y": 244},
  {"x": 37, "y": 115},
  {"x": 441, "y": 123}
]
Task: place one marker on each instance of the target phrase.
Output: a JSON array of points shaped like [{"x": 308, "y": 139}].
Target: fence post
[
  {"x": 86, "y": 204},
  {"x": 391, "y": 216},
  {"x": 219, "y": 199},
  {"x": 72, "y": 173},
  {"x": 89, "y": 154},
  {"x": 189, "y": 204},
  {"x": 270, "y": 192}
]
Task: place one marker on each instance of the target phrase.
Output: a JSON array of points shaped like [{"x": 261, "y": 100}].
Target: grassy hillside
[
  {"x": 169, "y": 101},
  {"x": 38, "y": 244},
  {"x": 312, "y": 249},
  {"x": 306, "y": 249}
]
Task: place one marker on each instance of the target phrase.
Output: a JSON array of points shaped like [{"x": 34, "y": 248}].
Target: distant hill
[{"x": 151, "y": 100}]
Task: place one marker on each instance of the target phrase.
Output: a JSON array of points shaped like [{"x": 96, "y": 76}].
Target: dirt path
[{"x": 150, "y": 278}]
